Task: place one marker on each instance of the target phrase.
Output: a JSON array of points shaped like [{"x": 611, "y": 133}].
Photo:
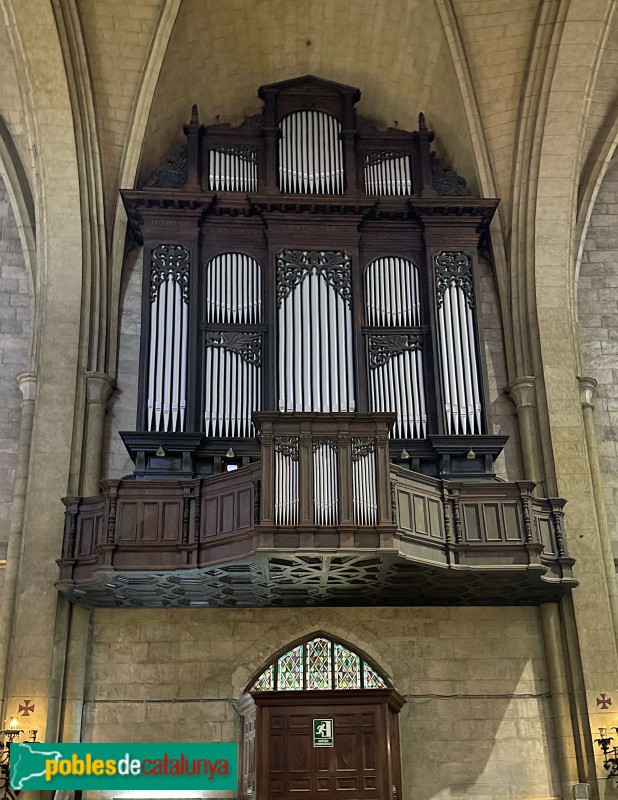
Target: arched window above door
[{"x": 319, "y": 663}]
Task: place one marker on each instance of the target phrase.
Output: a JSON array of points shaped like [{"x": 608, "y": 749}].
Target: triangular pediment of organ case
[{"x": 309, "y": 84}]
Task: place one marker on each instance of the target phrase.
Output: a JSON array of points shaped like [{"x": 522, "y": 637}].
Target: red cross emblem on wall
[
  {"x": 604, "y": 701},
  {"x": 27, "y": 708}
]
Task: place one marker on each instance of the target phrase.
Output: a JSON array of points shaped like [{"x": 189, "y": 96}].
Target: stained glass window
[
  {"x": 319, "y": 664},
  {"x": 347, "y": 668},
  {"x": 372, "y": 679},
  {"x": 290, "y": 670},
  {"x": 266, "y": 681}
]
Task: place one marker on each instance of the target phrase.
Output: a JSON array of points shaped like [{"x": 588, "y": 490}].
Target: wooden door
[{"x": 362, "y": 764}]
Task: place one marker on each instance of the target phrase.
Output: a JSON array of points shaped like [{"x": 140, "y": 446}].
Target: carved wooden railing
[
  {"x": 161, "y": 525},
  {"x": 487, "y": 523},
  {"x": 345, "y": 496}
]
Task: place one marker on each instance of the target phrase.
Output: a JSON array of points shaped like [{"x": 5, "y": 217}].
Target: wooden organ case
[
  {"x": 307, "y": 262},
  {"x": 312, "y": 422}
]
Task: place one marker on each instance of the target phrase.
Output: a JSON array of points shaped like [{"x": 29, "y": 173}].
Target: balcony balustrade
[{"x": 322, "y": 519}]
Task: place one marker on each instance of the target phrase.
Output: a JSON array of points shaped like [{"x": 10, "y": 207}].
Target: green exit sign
[{"x": 323, "y": 733}]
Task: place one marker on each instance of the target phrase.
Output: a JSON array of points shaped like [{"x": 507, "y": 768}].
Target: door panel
[{"x": 350, "y": 769}]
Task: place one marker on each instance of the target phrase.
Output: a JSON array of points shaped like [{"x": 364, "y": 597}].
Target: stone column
[
  {"x": 27, "y": 384},
  {"x": 523, "y": 394},
  {"x": 587, "y": 388},
  {"x": 99, "y": 387}
]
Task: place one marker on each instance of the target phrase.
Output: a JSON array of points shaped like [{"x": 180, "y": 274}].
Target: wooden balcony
[{"x": 323, "y": 519}]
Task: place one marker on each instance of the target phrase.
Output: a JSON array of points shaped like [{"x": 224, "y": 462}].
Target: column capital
[
  {"x": 522, "y": 391},
  {"x": 27, "y": 385},
  {"x": 587, "y": 390},
  {"x": 99, "y": 387}
]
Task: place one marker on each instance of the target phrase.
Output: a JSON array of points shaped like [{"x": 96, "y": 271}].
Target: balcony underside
[{"x": 320, "y": 579}]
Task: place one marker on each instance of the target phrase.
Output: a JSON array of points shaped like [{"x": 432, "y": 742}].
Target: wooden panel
[
  {"x": 405, "y": 510},
  {"x": 126, "y": 522},
  {"x": 244, "y": 508},
  {"x": 420, "y": 515},
  {"x": 210, "y": 518},
  {"x": 545, "y": 534},
  {"x": 472, "y": 522},
  {"x": 435, "y": 519},
  {"x": 150, "y": 522},
  {"x": 512, "y": 525},
  {"x": 86, "y": 536},
  {"x": 226, "y": 513},
  {"x": 491, "y": 518},
  {"x": 171, "y": 522}
]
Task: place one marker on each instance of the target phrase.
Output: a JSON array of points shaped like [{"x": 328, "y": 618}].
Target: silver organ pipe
[
  {"x": 458, "y": 352},
  {"x": 310, "y": 154},
  {"x": 392, "y": 292},
  {"x": 325, "y": 469},
  {"x": 315, "y": 347},
  {"x": 364, "y": 492},
  {"x": 387, "y": 174},
  {"x": 233, "y": 170},
  {"x": 396, "y": 372},
  {"x": 287, "y": 498},
  {"x": 167, "y": 390},
  {"x": 232, "y": 360}
]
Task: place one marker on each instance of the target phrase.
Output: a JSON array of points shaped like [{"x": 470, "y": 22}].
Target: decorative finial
[
  {"x": 195, "y": 120},
  {"x": 422, "y": 125}
]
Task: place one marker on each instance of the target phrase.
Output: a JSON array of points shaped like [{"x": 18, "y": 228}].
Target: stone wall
[
  {"x": 123, "y": 405},
  {"x": 597, "y": 304},
  {"x": 14, "y": 353},
  {"x": 475, "y": 722}
]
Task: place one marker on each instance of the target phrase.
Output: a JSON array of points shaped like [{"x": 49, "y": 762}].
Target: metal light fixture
[
  {"x": 470, "y": 455},
  {"x": 160, "y": 452},
  {"x": 9, "y": 734},
  {"x": 610, "y": 754},
  {"x": 404, "y": 455},
  {"x": 230, "y": 454}
]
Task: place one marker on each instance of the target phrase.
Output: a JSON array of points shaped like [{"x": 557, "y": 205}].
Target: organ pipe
[
  {"x": 167, "y": 390},
  {"x": 232, "y": 359},
  {"x": 364, "y": 490},
  {"x": 458, "y": 352},
  {"x": 315, "y": 345},
  {"x": 233, "y": 170},
  {"x": 310, "y": 154},
  {"x": 325, "y": 482},
  {"x": 387, "y": 174},
  {"x": 396, "y": 369}
]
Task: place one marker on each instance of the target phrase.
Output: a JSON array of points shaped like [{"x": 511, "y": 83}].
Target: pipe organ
[
  {"x": 395, "y": 360},
  {"x": 388, "y": 173},
  {"x": 310, "y": 153},
  {"x": 167, "y": 370},
  {"x": 460, "y": 376},
  {"x": 309, "y": 263},
  {"x": 315, "y": 354}
]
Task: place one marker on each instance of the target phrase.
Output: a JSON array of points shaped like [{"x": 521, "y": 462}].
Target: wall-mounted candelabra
[
  {"x": 9, "y": 735},
  {"x": 610, "y": 753}
]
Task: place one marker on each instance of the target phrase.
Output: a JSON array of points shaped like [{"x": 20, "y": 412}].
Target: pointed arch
[{"x": 318, "y": 662}]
